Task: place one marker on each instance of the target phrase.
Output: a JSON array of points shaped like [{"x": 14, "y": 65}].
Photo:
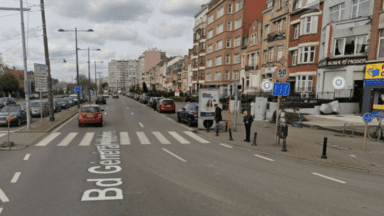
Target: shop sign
[
  {"x": 346, "y": 61},
  {"x": 374, "y": 71}
]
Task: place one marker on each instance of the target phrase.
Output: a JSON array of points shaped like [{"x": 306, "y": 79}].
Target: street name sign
[{"x": 281, "y": 89}]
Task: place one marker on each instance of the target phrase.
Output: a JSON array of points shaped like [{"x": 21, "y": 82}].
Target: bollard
[
  {"x": 226, "y": 127},
  {"x": 324, "y": 156},
  {"x": 207, "y": 130},
  {"x": 284, "y": 146},
  {"x": 254, "y": 139},
  {"x": 230, "y": 134}
]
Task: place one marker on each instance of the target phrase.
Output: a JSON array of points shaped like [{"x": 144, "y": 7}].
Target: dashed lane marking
[
  {"x": 228, "y": 146},
  {"x": 141, "y": 124},
  {"x": 265, "y": 158},
  {"x": 15, "y": 177},
  {"x": 132, "y": 113},
  {"x": 3, "y": 197},
  {"x": 329, "y": 178},
  {"x": 27, "y": 156},
  {"x": 105, "y": 113},
  {"x": 174, "y": 155}
]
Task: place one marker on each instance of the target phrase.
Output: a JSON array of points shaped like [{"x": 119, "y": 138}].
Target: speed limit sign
[{"x": 281, "y": 73}]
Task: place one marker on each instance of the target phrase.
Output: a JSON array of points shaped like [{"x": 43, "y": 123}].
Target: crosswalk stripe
[
  {"x": 48, "y": 139},
  {"x": 178, "y": 137},
  {"x": 194, "y": 136},
  {"x": 1, "y": 135},
  {"x": 161, "y": 138},
  {"x": 124, "y": 138},
  {"x": 143, "y": 139},
  {"x": 87, "y": 139},
  {"x": 67, "y": 139}
]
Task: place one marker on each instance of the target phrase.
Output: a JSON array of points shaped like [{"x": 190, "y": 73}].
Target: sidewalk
[{"x": 306, "y": 144}]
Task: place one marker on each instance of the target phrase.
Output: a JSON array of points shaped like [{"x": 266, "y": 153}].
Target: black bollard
[
  {"x": 324, "y": 156},
  {"x": 284, "y": 145},
  {"x": 254, "y": 139},
  {"x": 226, "y": 127},
  {"x": 230, "y": 134}
]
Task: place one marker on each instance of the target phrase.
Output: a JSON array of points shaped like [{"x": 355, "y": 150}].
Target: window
[
  {"x": 266, "y": 30},
  {"x": 253, "y": 59},
  {"x": 209, "y": 63},
  {"x": 195, "y": 74},
  {"x": 238, "y": 23},
  {"x": 254, "y": 39},
  {"x": 306, "y": 54},
  {"x": 218, "y": 76},
  {"x": 202, "y": 46},
  {"x": 219, "y": 29},
  {"x": 236, "y": 58},
  {"x": 280, "y": 25},
  {"x": 227, "y": 75},
  {"x": 220, "y": 12},
  {"x": 279, "y": 52},
  {"x": 265, "y": 53},
  {"x": 230, "y": 8},
  {"x": 237, "y": 41},
  {"x": 304, "y": 83},
  {"x": 269, "y": 4},
  {"x": 381, "y": 44},
  {"x": 360, "y": 8},
  {"x": 247, "y": 81},
  {"x": 229, "y": 25},
  {"x": 235, "y": 75},
  {"x": 219, "y": 45},
  {"x": 210, "y": 33},
  {"x": 239, "y": 5},
  {"x": 210, "y": 47},
  {"x": 209, "y": 77},
  {"x": 210, "y": 19},
  {"x": 350, "y": 45},
  {"x": 296, "y": 31},
  {"x": 294, "y": 57},
  {"x": 299, "y": 4},
  {"x": 243, "y": 61},
  {"x": 228, "y": 43},
  {"x": 219, "y": 60},
  {"x": 337, "y": 12},
  {"x": 227, "y": 59},
  {"x": 271, "y": 54},
  {"x": 309, "y": 25}
]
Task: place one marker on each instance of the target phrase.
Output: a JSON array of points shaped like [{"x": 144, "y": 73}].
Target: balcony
[
  {"x": 251, "y": 67},
  {"x": 276, "y": 35}
]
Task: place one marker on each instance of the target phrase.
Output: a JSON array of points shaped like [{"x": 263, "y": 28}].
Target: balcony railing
[
  {"x": 251, "y": 67},
  {"x": 276, "y": 35}
]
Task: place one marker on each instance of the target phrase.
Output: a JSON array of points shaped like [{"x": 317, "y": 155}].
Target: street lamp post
[
  {"x": 77, "y": 59},
  {"x": 96, "y": 76},
  {"x": 89, "y": 73}
]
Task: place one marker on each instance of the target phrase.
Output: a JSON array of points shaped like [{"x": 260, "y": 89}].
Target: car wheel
[{"x": 178, "y": 118}]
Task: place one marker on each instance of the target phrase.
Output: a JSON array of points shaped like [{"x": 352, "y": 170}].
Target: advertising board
[{"x": 207, "y": 99}]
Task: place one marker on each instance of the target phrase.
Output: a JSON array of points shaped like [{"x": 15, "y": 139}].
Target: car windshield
[
  {"x": 90, "y": 109},
  {"x": 62, "y": 101},
  {"x": 168, "y": 102},
  {"x": 99, "y": 96},
  {"x": 35, "y": 104},
  {"x": 11, "y": 109}
]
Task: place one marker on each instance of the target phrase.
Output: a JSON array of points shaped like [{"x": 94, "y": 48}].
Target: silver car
[{"x": 36, "y": 109}]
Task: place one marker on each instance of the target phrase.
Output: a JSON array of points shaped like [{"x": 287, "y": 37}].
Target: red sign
[
  {"x": 281, "y": 73},
  {"x": 10, "y": 117}
]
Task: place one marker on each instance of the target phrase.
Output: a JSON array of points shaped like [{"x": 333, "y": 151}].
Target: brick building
[{"x": 18, "y": 74}]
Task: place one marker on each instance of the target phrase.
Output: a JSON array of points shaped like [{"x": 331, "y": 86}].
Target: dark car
[
  {"x": 45, "y": 95},
  {"x": 100, "y": 100},
  {"x": 85, "y": 98},
  {"x": 115, "y": 96},
  {"x": 6, "y": 101},
  {"x": 56, "y": 106},
  {"x": 70, "y": 101},
  {"x": 105, "y": 96},
  {"x": 188, "y": 114},
  {"x": 63, "y": 103},
  {"x": 36, "y": 109},
  {"x": 166, "y": 105},
  {"x": 143, "y": 99},
  {"x": 18, "y": 112}
]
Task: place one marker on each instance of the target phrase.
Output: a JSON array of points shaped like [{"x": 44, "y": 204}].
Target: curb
[
  {"x": 348, "y": 132},
  {"x": 300, "y": 159}
]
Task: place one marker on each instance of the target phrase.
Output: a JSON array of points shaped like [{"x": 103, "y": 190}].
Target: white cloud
[
  {"x": 182, "y": 7},
  {"x": 172, "y": 29}
]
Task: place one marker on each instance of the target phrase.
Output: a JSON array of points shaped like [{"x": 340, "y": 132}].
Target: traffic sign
[
  {"x": 10, "y": 117},
  {"x": 338, "y": 82},
  {"x": 368, "y": 117},
  {"x": 266, "y": 85},
  {"x": 281, "y": 89},
  {"x": 78, "y": 88},
  {"x": 281, "y": 73},
  {"x": 41, "y": 70}
]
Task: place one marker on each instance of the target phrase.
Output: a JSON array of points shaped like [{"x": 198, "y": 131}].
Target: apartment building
[
  {"x": 149, "y": 59},
  {"x": 304, "y": 45},
  {"x": 345, "y": 36},
  {"x": 123, "y": 73},
  {"x": 275, "y": 37},
  {"x": 170, "y": 74},
  {"x": 228, "y": 21}
]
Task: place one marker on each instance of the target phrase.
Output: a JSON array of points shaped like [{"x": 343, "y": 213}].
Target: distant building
[
  {"x": 148, "y": 60},
  {"x": 18, "y": 74},
  {"x": 123, "y": 73}
]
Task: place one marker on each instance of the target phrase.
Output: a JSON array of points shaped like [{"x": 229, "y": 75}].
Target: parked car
[
  {"x": 85, "y": 98},
  {"x": 167, "y": 105},
  {"x": 6, "y": 101},
  {"x": 70, "y": 101},
  {"x": 115, "y": 96},
  {"x": 31, "y": 96},
  {"x": 63, "y": 103},
  {"x": 105, "y": 95},
  {"x": 156, "y": 101},
  {"x": 37, "y": 96},
  {"x": 56, "y": 106},
  {"x": 142, "y": 99},
  {"x": 75, "y": 99},
  {"x": 18, "y": 112},
  {"x": 45, "y": 95},
  {"x": 188, "y": 114},
  {"x": 91, "y": 114},
  {"x": 100, "y": 100},
  {"x": 146, "y": 99},
  {"x": 36, "y": 109}
]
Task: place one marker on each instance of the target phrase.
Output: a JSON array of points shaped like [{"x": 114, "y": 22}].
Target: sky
[{"x": 123, "y": 29}]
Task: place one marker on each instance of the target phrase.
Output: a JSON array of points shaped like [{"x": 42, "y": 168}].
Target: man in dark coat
[
  {"x": 248, "y": 119},
  {"x": 217, "y": 119}
]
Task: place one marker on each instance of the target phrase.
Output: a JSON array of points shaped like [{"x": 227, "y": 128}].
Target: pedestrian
[
  {"x": 248, "y": 119},
  {"x": 217, "y": 119}
]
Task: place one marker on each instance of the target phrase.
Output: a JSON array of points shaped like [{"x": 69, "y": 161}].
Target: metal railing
[{"x": 338, "y": 93}]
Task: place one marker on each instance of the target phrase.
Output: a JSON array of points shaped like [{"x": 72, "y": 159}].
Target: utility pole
[
  {"x": 77, "y": 70},
  {"x": 47, "y": 62},
  {"x": 236, "y": 107},
  {"x": 99, "y": 82},
  {"x": 89, "y": 78}
]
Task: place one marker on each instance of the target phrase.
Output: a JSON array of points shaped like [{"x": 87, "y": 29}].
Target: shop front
[{"x": 373, "y": 88}]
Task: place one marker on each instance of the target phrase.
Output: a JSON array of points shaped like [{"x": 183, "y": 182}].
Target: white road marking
[
  {"x": 196, "y": 137},
  {"x": 161, "y": 138},
  {"x": 107, "y": 107},
  {"x": 265, "y": 158},
  {"x": 15, "y": 177},
  {"x": 18, "y": 129},
  {"x": 27, "y": 156},
  {"x": 1, "y": 135},
  {"x": 1, "y": 209},
  {"x": 3, "y": 197},
  {"x": 174, "y": 155},
  {"x": 105, "y": 113},
  {"x": 132, "y": 113},
  {"x": 48, "y": 139},
  {"x": 65, "y": 123},
  {"x": 127, "y": 107},
  {"x": 67, "y": 139},
  {"x": 333, "y": 179},
  {"x": 178, "y": 137},
  {"x": 143, "y": 139},
  {"x": 87, "y": 139},
  {"x": 228, "y": 146},
  {"x": 124, "y": 138}
]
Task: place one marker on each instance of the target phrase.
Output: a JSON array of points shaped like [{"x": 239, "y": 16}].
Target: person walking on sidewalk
[
  {"x": 218, "y": 118},
  {"x": 248, "y": 119}
]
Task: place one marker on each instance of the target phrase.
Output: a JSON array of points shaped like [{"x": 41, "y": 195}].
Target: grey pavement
[{"x": 188, "y": 175}]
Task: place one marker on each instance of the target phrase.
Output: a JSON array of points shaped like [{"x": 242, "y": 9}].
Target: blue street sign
[
  {"x": 368, "y": 117},
  {"x": 281, "y": 89},
  {"x": 379, "y": 114},
  {"x": 78, "y": 88}
]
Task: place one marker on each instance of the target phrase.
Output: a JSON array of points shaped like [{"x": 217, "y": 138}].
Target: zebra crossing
[{"x": 125, "y": 138}]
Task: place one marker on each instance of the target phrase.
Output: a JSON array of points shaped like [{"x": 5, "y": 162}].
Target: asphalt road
[{"x": 158, "y": 167}]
